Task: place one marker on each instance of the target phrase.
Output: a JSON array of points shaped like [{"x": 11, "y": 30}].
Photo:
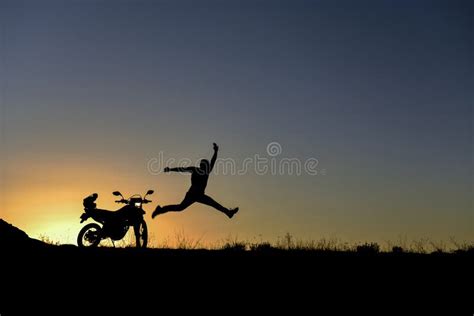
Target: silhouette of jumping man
[{"x": 199, "y": 177}]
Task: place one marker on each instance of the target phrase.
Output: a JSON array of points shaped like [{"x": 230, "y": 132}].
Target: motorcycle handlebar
[{"x": 144, "y": 201}]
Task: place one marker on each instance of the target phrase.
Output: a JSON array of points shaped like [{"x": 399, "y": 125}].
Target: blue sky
[{"x": 380, "y": 92}]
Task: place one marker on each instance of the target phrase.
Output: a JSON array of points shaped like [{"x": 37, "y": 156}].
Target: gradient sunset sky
[{"x": 380, "y": 92}]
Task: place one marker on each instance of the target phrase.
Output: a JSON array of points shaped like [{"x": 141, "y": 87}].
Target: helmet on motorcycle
[{"x": 88, "y": 202}]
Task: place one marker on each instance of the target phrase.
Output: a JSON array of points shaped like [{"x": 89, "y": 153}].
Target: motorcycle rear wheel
[{"x": 90, "y": 235}]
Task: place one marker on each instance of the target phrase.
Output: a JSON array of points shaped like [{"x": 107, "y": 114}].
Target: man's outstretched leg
[
  {"x": 188, "y": 200},
  {"x": 205, "y": 199}
]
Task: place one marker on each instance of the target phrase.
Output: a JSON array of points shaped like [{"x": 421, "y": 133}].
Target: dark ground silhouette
[
  {"x": 265, "y": 279},
  {"x": 13, "y": 238}
]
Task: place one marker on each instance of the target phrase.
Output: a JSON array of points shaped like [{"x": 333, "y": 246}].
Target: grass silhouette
[
  {"x": 288, "y": 242},
  {"x": 289, "y": 265}
]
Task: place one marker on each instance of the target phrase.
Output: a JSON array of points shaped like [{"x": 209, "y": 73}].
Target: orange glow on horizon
[{"x": 42, "y": 200}]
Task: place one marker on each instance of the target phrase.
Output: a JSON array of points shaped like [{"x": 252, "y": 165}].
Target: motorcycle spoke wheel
[
  {"x": 142, "y": 241},
  {"x": 89, "y": 236}
]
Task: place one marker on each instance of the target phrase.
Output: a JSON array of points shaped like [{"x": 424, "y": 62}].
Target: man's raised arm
[{"x": 214, "y": 157}]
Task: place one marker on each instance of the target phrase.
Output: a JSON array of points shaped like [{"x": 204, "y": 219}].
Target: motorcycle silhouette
[{"x": 115, "y": 224}]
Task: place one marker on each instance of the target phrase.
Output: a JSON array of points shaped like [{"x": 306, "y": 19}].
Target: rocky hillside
[{"x": 12, "y": 237}]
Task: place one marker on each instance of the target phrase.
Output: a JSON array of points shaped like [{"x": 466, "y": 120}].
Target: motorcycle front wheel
[
  {"x": 142, "y": 237},
  {"x": 89, "y": 236}
]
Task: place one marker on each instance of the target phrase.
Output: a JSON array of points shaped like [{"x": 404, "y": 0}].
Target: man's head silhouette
[{"x": 204, "y": 165}]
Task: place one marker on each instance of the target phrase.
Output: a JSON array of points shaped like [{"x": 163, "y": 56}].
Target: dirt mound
[{"x": 11, "y": 236}]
